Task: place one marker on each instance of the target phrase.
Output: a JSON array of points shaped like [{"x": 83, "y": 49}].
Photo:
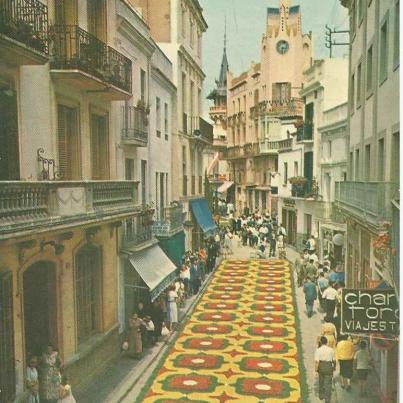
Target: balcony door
[
  {"x": 96, "y": 14},
  {"x": 99, "y": 147},
  {"x": 9, "y": 150},
  {"x": 68, "y": 142},
  {"x": 66, "y": 12}
]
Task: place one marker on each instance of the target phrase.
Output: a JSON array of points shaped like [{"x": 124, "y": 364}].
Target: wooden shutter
[
  {"x": 99, "y": 147},
  {"x": 7, "y": 361},
  {"x": 62, "y": 143}
]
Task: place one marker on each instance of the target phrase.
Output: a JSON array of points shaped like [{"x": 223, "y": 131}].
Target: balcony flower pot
[
  {"x": 298, "y": 180},
  {"x": 299, "y": 124}
]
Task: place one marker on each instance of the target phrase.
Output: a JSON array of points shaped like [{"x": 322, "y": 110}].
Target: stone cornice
[
  {"x": 311, "y": 87},
  {"x": 333, "y": 126},
  {"x": 198, "y": 13},
  {"x": 162, "y": 79}
]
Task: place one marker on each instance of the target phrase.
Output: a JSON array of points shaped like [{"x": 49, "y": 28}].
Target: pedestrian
[
  {"x": 281, "y": 247},
  {"x": 150, "y": 329},
  {"x": 311, "y": 270},
  {"x": 298, "y": 269},
  {"x": 329, "y": 330},
  {"x": 362, "y": 364},
  {"x": 330, "y": 295},
  {"x": 311, "y": 245},
  {"x": 310, "y": 295},
  {"x": 273, "y": 246},
  {"x": 324, "y": 366},
  {"x": 172, "y": 308},
  {"x": 323, "y": 283},
  {"x": 32, "y": 380},
  {"x": 345, "y": 356},
  {"x": 134, "y": 336},
  {"x": 65, "y": 393},
  {"x": 157, "y": 316},
  {"x": 194, "y": 283},
  {"x": 49, "y": 375}
]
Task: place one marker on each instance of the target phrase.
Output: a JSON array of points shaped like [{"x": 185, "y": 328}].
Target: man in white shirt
[
  {"x": 330, "y": 297},
  {"x": 325, "y": 361}
]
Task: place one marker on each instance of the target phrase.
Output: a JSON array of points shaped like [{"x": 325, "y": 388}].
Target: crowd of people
[
  {"x": 45, "y": 380},
  {"x": 152, "y": 320},
  {"x": 323, "y": 282}
]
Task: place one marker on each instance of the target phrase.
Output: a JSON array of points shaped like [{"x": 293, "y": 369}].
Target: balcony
[
  {"x": 172, "y": 221},
  {"x": 289, "y": 108},
  {"x": 138, "y": 231},
  {"x": 368, "y": 201},
  {"x": 31, "y": 206},
  {"x": 198, "y": 129},
  {"x": 235, "y": 152},
  {"x": 135, "y": 126},
  {"x": 24, "y": 32},
  {"x": 218, "y": 110},
  {"x": 267, "y": 146},
  {"x": 82, "y": 59},
  {"x": 305, "y": 133}
]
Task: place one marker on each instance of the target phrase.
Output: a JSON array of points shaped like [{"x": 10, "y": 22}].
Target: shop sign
[{"x": 369, "y": 311}]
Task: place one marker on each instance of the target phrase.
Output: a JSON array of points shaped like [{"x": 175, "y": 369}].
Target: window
[
  {"x": 381, "y": 160},
  {"x": 276, "y": 164},
  {"x": 199, "y": 44},
  {"x": 357, "y": 165},
  {"x": 184, "y": 176},
  {"x": 351, "y": 164},
  {"x": 129, "y": 169},
  {"x": 396, "y": 36},
  {"x": 352, "y": 92},
  {"x": 344, "y": 176},
  {"x": 367, "y": 171},
  {"x": 295, "y": 168},
  {"x": 68, "y": 142},
  {"x": 329, "y": 148},
  {"x": 143, "y": 85},
  {"x": 285, "y": 173},
  {"x": 395, "y": 158},
  {"x": 99, "y": 147},
  {"x": 369, "y": 69},
  {"x": 184, "y": 21},
  {"x": 143, "y": 182},
  {"x": 166, "y": 128},
  {"x": 88, "y": 288},
  {"x": 383, "y": 56},
  {"x": 359, "y": 85},
  {"x": 281, "y": 91},
  {"x": 158, "y": 116},
  {"x": 308, "y": 224},
  {"x": 192, "y": 37}
]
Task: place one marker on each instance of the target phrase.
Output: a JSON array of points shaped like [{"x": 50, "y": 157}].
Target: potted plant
[{"x": 297, "y": 180}]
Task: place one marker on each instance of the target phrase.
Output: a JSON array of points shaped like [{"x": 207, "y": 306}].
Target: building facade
[
  {"x": 369, "y": 198},
  {"x": 178, "y": 26},
  {"x": 304, "y": 198},
  {"x": 262, "y": 106}
]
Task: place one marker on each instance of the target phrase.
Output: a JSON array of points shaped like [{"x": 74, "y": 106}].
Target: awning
[
  {"x": 155, "y": 268},
  {"x": 174, "y": 247},
  {"x": 225, "y": 186},
  {"x": 203, "y": 216}
]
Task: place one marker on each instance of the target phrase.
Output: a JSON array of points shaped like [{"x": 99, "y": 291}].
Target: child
[
  {"x": 32, "y": 380},
  {"x": 150, "y": 328},
  {"x": 65, "y": 394}
]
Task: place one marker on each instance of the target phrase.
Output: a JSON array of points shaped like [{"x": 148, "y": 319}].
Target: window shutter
[{"x": 62, "y": 143}]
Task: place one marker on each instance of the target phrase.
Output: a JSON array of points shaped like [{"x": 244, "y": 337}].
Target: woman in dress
[
  {"x": 134, "y": 339},
  {"x": 172, "y": 307},
  {"x": 32, "y": 381},
  {"x": 65, "y": 394},
  {"x": 49, "y": 379}
]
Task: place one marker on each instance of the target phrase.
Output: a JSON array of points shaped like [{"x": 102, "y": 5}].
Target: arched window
[{"x": 88, "y": 291}]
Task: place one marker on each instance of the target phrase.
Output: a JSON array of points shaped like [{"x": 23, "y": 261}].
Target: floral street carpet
[{"x": 240, "y": 344}]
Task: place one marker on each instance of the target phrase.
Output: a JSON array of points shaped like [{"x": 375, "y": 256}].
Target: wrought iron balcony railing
[
  {"x": 135, "y": 125},
  {"x": 28, "y": 205},
  {"x": 305, "y": 133},
  {"x": 26, "y": 21},
  {"x": 76, "y": 49},
  {"x": 138, "y": 230}
]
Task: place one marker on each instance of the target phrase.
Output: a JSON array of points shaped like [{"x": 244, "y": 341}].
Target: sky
[{"x": 246, "y": 23}]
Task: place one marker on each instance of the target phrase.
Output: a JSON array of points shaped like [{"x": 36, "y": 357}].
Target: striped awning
[
  {"x": 225, "y": 186},
  {"x": 155, "y": 268}
]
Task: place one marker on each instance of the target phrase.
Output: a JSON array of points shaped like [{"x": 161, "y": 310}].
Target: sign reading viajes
[{"x": 369, "y": 311}]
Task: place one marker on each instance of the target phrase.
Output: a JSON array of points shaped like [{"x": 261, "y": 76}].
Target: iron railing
[
  {"x": 138, "y": 230},
  {"x": 25, "y": 21},
  {"x": 171, "y": 222},
  {"x": 305, "y": 132},
  {"x": 135, "y": 124},
  {"x": 75, "y": 48}
]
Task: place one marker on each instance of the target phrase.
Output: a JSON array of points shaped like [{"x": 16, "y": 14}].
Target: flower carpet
[{"x": 240, "y": 343}]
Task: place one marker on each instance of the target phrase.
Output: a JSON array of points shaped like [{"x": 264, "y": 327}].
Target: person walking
[
  {"x": 172, "y": 308},
  {"x": 310, "y": 295},
  {"x": 134, "y": 336},
  {"x": 330, "y": 295},
  {"x": 324, "y": 366},
  {"x": 157, "y": 316},
  {"x": 49, "y": 375},
  {"x": 273, "y": 244},
  {"x": 323, "y": 283},
  {"x": 31, "y": 380},
  {"x": 362, "y": 364},
  {"x": 329, "y": 330},
  {"x": 65, "y": 393},
  {"x": 311, "y": 270},
  {"x": 345, "y": 356}
]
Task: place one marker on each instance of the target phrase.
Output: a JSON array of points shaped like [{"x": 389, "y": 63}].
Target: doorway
[{"x": 39, "y": 307}]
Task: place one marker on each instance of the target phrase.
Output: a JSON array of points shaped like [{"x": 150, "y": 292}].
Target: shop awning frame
[{"x": 203, "y": 216}]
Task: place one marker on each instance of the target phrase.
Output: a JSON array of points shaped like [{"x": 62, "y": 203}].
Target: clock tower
[{"x": 285, "y": 53}]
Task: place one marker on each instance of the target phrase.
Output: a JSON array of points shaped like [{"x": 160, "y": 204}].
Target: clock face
[{"x": 282, "y": 47}]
